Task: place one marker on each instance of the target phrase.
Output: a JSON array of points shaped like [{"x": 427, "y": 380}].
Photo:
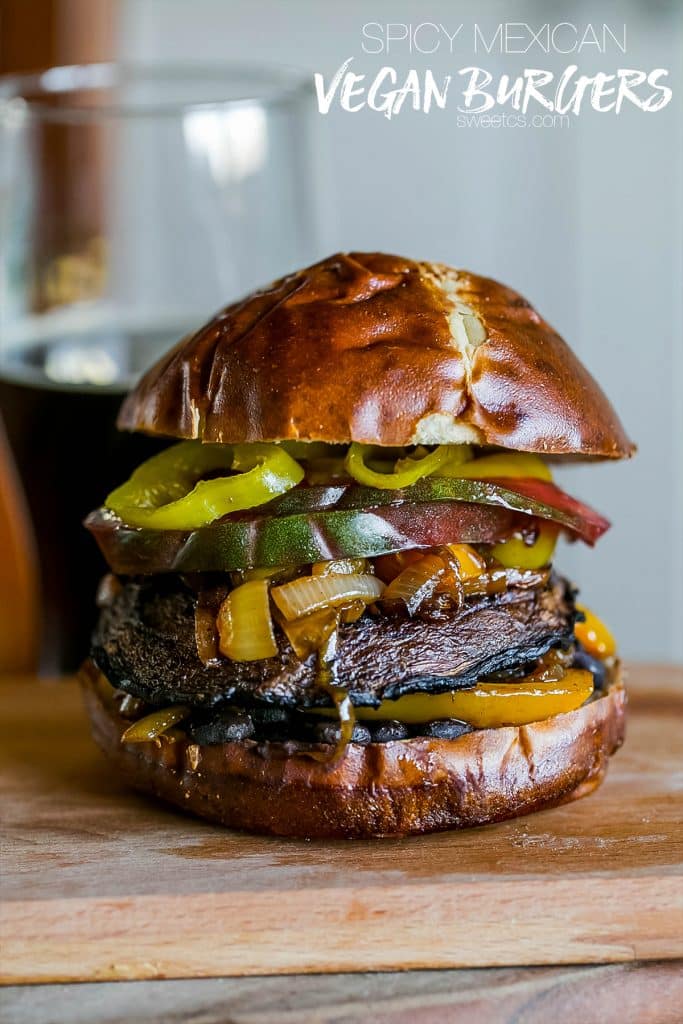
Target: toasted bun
[
  {"x": 380, "y": 349},
  {"x": 382, "y": 789}
]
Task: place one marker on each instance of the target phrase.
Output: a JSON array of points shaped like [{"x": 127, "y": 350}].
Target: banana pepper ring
[
  {"x": 167, "y": 493},
  {"x": 406, "y": 472}
]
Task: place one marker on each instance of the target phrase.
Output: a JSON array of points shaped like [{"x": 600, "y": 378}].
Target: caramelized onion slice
[
  {"x": 416, "y": 583},
  {"x": 309, "y": 593},
  {"x": 351, "y": 612},
  {"x": 206, "y": 635},
  {"x": 345, "y": 713},
  {"x": 209, "y": 600},
  {"x": 311, "y": 632},
  {"x": 387, "y": 567},
  {"x": 496, "y": 581},
  {"x": 464, "y": 566},
  {"x": 245, "y": 627}
]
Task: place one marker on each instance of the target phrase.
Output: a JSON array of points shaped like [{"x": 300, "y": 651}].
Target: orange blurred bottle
[{"x": 19, "y": 600}]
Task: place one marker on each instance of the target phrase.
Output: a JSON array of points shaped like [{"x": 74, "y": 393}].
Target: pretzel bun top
[{"x": 384, "y": 350}]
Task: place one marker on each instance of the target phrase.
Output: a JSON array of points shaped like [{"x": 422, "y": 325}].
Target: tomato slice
[
  {"x": 312, "y": 524},
  {"x": 587, "y": 523}
]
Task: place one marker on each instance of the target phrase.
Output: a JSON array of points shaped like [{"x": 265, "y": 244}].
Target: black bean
[
  {"x": 361, "y": 734},
  {"x": 443, "y": 729},
  {"x": 223, "y": 726},
  {"x": 328, "y": 732},
  {"x": 386, "y": 732},
  {"x": 273, "y": 723},
  {"x": 270, "y": 715}
]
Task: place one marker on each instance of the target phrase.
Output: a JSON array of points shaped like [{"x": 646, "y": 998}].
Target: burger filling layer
[{"x": 384, "y": 641}]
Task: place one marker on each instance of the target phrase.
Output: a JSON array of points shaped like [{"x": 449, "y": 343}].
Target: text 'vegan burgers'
[{"x": 332, "y": 608}]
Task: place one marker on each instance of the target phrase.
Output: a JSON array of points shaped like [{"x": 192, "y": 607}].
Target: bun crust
[
  {"x": 382, "y": 789},
  {"x": 380, "y": 349}
]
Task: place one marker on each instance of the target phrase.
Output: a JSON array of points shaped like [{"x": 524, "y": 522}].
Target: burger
[{"x": 332, "y": 607}]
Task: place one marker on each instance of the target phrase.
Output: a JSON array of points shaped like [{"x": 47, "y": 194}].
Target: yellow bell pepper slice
[
  {"x": 594, "y": 636},
  {"x": 501, "y": 464},
  {"x": 488, "y": 705},
  {"x": 470, "y": 562},
  {"x": 515, "y": 553},
  {"x": 163, "y": 493}
]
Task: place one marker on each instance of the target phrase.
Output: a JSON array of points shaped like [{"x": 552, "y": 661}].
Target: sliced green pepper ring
[
  {"x": 358, "y": 454},
  {"x": 163, "y": 493}
]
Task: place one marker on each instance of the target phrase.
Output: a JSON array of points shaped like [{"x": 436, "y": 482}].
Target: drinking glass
[{"x": 134, "y": 202}]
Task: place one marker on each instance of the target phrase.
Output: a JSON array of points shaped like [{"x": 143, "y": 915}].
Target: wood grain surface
[
  {"x": 649, "y": 993},
  {"x": 101, "y": 884}
]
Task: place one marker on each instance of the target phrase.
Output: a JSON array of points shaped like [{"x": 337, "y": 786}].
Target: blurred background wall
[{"x": 585, "y": 220}]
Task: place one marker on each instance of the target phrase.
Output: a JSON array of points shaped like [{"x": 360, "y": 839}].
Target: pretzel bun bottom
[{"x": 406, "y": 787}]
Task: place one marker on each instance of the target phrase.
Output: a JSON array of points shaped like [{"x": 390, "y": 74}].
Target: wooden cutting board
[{"x": 99, "y": 883}]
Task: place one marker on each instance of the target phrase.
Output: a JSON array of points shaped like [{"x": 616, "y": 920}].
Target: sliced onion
[
  {"x": 552, "y": 666},
  {"x": 309, "y": 593},
  {"x": 416, "y": 583},
  {"x": 310, "y": 633},
  {"x": 340, "y": 567},
  {"x": 387, "y": 567},
  {"x": 464, "y": 565},
  {"x": 245, "y": 627},
  {"x": 351, "y": 612},
  {"x": 346, "y": 717},
  {"x": 209, "y": 600},
  {"x": 155, "y": 724},
  {"x": 206, "y": 634},
  {"x": 495, "y": 581}
]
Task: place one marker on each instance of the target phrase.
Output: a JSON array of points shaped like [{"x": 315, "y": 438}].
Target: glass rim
[{"x": 278, "y": 85}]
